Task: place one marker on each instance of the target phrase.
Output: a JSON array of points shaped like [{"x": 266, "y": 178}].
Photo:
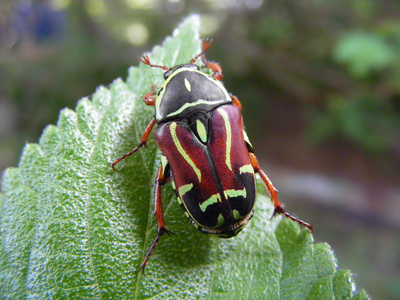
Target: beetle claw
[
  {"x": 145, "y": 59},
  {"x": 206, "y": 44},
  {"x": 278, "y": 210},
  {"x": 141, "y": 269},
  {"x": 281, "y": 210},
  {"x": 164, "y": 230}
]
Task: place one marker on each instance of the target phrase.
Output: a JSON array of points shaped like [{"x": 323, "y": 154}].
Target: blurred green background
[{"x": 319, "y": 82}]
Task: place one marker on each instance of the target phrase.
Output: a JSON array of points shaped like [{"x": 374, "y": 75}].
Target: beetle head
[{"x": 206, "y": 44}]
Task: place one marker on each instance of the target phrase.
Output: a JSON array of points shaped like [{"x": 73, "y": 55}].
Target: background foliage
[{"x": 319, "y": 82}]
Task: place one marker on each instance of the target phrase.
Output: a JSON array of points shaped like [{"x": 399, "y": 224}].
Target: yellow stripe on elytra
[
  {"x": 184, "y": 189},
  {"x": 182, "y": 151},
  {"x": 235, "y": 193},
  {"x": 246, "y": 169},
  {"x": 228, "y": 138},
  {"x": 220, "y": 221},
  {"x": 246, "y": 139},
  {"x": 213, "y": 199},
  {"x": 237, "y": 215}
]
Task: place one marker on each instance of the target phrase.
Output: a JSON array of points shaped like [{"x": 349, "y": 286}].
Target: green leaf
[
  {"x": 73, "y": 228},
  {"x": 364, "y": 52}
]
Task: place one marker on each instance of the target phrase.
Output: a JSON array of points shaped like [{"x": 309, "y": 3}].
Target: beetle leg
[
  {"x": 278, "y": 207},
  {"x": 146, "y": 60},
  {"x": 212, "y": 65},
  {"x": 205, "y": 45},
  {"x": 215, "y": 67},
  {"x": 158, "y": 211},
  {"x": 236, "y": 101},
  {"x": 143, "y": 142},
  {"x": 149, "y": 98}
]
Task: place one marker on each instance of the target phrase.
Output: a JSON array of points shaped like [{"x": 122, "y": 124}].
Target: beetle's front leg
[
  {"x": 148, "y": 99},
  {"x": 161, "y": 179},
  {"x": 278, "y": 207},
  {"x": 212, "y": 65},
  {"x": 142, "y": 143}
]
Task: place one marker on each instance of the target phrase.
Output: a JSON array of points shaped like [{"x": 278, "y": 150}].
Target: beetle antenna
[
  {"x": 205, "y": 44},
  {"x": 146, "y": 60}
]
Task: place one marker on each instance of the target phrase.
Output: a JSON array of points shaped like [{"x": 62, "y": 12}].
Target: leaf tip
[{"x": 192, "y": 20}]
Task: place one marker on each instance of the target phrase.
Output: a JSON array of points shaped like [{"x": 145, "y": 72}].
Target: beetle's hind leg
[
  {"x": 278, "y": 207},
  {"x": 161, "y": 179}
]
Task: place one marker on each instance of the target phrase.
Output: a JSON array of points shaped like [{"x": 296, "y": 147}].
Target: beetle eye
[
  {"x": 196, "y": 67},
  {"x": 167, "y": 73}
]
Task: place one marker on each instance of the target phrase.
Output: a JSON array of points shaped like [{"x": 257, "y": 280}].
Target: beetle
[{"x": 205, "y": 152}]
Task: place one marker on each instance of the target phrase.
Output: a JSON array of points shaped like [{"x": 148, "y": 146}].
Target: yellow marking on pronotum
[
  {"x": 165, "y": 85},
  {"x": 182, "y": 151},
  {"x": 246, "y": 169},
  {"x": 246, "y": 139},
  {"x": 184, "y": 189},
  {"x": 228, "y": 138},
  {"x": 213, "y": 199},
  {"x": 188, "y": 86},
  {"x": 190, "y": 104},
  {"x": 235, "y": 193},
  {"x": 201, "y": 130}
]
